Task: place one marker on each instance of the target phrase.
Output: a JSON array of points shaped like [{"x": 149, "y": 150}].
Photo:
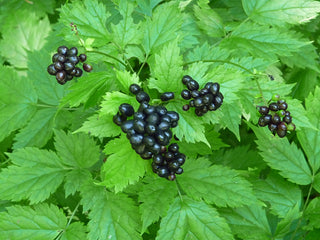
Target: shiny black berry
[
  {"x": 150, "y": 129},
  {"x": 272, "y": 127},
  {"x": 72, "y": 51},
  {"x": 198, "y": 102},
  {"x": 126, "y": 109},
  {"x": 185, "y": 94},
  {"x": 281, "y": 133},
  {"x": 149, "y": 141},
  {"x": 167, "y": 96},
  {"x": 214, "y": 89},
  {"x": 186, "y": 79},
  {"x": 134, "y": 88},
  {"x": 119, "y": 119},
  {"x": 264, "y": 110},
  {"x": 139, "y": 116},
  {"x": 87, "y": 67},
  {"x": 153, "y": 119},
  {"x": 139, "y": 126},
  {"x": 192, "y": 85},
  {"x": 74, "y": 60},
  {"x": 195, "y": 93},
  {"x": 51, "y": 70},
  {"x": 61, "y": 77},
  {"x": 185, "y": 107},
  {"x": 158, "y": 159},
  {"x": 82, "y": 57},
  {"x": 283, "y": 106},
  {"x": 136, "y": 139},
  {"x": 208, "y": 85},
  {"x": 273, "y": 107},
  {"x": 161, "y": 110},
  {"x": 126, "y": 126},
  {"x": 179, "y": 171},
  {"x": 173, "y": 116},
  {"x": 68, "y": 66},
  {"x": 163, "y": 172},
  {"x": 287, "y": 119},
  {"x": 78, "y": 72},
  {"x": 164, "y": 126},
  {"x": 173, "y": 147},
  {"x": 282, "y": 126},
  {"x": 276, "y": 119},
  {"x": 62, "y": 50},
  {"x": 58, "y": 66},
  {"x": 142, "y": 97}
]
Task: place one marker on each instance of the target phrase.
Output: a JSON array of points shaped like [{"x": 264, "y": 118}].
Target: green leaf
[
  {"x": 189, "y": 219},
  {"x": 75, "y": 179},
  {"x": 281, "y": 12},
  {"x": 161, "y": 28},
  {"x": 31, "y": 34},
  {"x": 312, "y": 214},
  {"x": 153, "y": 204},
  {"x": 280, "y": 194},
  {"x": 100, "y": 126},
  {"x": 90, "y": 18},
  {"x": 207, "y": 52},
  {"x": 232, "y": 117},
  {"x": 283, "y": 156},
  {"x": 146, "y": 6},
  {"x": 38, "y": 130},
  {"x": 32, "y": 169},
  {"x": 125, "y": 79},
  {"x": 263, "y": 41},
  {"x": 299, "y": 114},
  {"x": 189, "y": 126},
  {"x": 249, "y": 222},
  {"x": 95, "y": 84},
  {"x": 112, "y": 101},
  {"x": 75, "y": 231},
  {"x": 126, "y": 31},
  {"x": 77, "y": 150},
  {"x": 123, "y": 166},
  {"x": 283, "y": 227},
  {"x": 208, "y": 19},
  {"x": 17, "y": 101},
  {"x": 114, "y": 216},
  {"x": 310, "y": 138},
  {"x": 40, "y": 222},
  {"x": 316, "y": 183},
  {"x": 216, "y": 184},
  {"x": 166, "y": 69}
]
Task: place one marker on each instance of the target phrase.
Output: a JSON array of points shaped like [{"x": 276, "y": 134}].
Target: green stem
[
  {"x": 220, "y": 61},
  {"x": 53, "y": 106},
  {"x": 108, "y": 55},
  {"x": 178, "y": 188},
  {"x": 144, "y": 62},
  {"x": 260, "y": 90}
]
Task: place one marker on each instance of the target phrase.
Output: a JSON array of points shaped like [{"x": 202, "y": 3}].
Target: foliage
[{"x": 67, "y": 172}]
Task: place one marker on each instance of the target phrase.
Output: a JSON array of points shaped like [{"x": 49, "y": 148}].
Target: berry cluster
[
  {"x": 276, "y": 117},
  {"x": 207, "y": 99},
  {"x": 149, "y": 133},
  {"x": 64, "y": 64}
]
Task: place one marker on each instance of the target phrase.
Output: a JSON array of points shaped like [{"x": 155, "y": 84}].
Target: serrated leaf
[
  {"x": 216, "y": 184},
  {"x": 153, "y": 204},
  {"x": 125, "y": 79},
  {"x": 232, "y": 117},
  {"x": 114, "y": 216},
  {"x": 207, "y": 52},
  {"x": 310, "y": 138},
  {"x": 264, "y": 42},
  {"x": 90, "y": 18},
  {"x": 94, "y": 84},
  {"x": 166, "y": 69},
  {"x": 77, "y": 150},
  {"x": 31, "y": 34},
  {"x": 209, "y": 20},
  {"x": 249, "y": 222},
  {"x": 283, "y": 227},
  {"x": 91, "y": 193},
  {"x": 146, "y": 6},
  {"x": 280, "y": 194},
  {"x": 75, "y": 231},
  {"x": 124, "y": 166},
  {"x": 38, "y": 130},
  {"x": 189, "y": 219},
  {"x": 312, "y": 214},
  {"x": 283, "y": 156},
  {"x": 112, "y": 101},
  {"x": 40, "y": 222},
  {"x": 17, "y": 101},
  {"x": 126, "y": 31},
  {"x": 189, "y": 127},
  {"x": 161, "y": 28},
  {"x": 281, "y": 12},
  {"x": 100, "y": 126},
  {"x": 299, "y": 114},
  {"x": 75, "y": 179},
  {"x": 31, "y": 170}
]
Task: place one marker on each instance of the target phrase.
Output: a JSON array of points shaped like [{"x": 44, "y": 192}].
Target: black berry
[
  {"x": 167, "y": 96},
  {"x": 87, "y": 67},
  {"x": 82, "y": 57},
  {"x": 134, "y": 88}
]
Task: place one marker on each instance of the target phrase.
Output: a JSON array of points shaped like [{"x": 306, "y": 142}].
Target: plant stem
[
  {"x": 178, "y": 188},
  {"x": 260, "y": 90},
  {"x": 144, "y": 62},
  {"x": 108, "y": 55},
  {"x": 53, "y": 106}
]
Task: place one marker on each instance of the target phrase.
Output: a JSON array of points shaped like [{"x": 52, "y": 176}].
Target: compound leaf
[
  {"x": 189, "y": 219},
  {"x": 39, "y": 222}
]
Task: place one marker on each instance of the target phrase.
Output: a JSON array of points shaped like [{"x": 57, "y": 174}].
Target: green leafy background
[{"x": 66, "y": 170}]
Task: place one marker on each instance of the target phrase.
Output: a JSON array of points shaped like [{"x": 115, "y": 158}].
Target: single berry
[
  {"x": 173, "y": 166},
  {"x": 191, "y": 103},
  {"x": 276, "y": 119},
  {"x": 87, "y": 67},
  {"x": 142, "y": 97},
  {"x": 62, "y": 50},
  {"x": 136, "y": 139},
  {"x": 58, "y": 66},
  {"x": 158, "y": 159},
  {"x": 78, "y": 72},
  {"x": 82, "y": 57},
  {"x": 186, "y": 79},
  {"x": 263, "y": 110},
  {"x": 143, "y": 106},
  {"x": 287, "y": 119},
  {"x": 149, "y": 110},
  {"x": 171, "y": 177},
  {"x": 168, "y": 134},
  {"x": 139, "y": 116},
  {"x": 181, "y": 159},
  {"x": 218, "y": 100},
  {"x": 281, "y": 133},
  {"x": 165, "y": 118},
  {"x": 153, "y": 119},
  {"x": 68, "y": 66},
  {"x": 207, "y": 99},
  {"x": 150, "y": 129},
  {"x": 169, "y": 156},
  {"x": 192, "y": 85},
  {"x": 161, "y": 137},
  {"x": 185, "y": 107},
  {"x": 51, "y": 70},
  {"x": 173, "y": 147},
  {"x": 214, "y": 89},
  {"x": 163, "y": 172},
  {"x": 119, "y": 119},
  {"x": 126, "y": 126},
  {"x": 69, "y": 77},
  {"x": 164, "y": 126},
  {"x": 198, "y": 102},
  {"x": 262, "y": 122},
  {"x": 282, "y": 126},
  {"x": 273, "y": 107},
  {"x": 156, "y": 148},
  {"x": 74, "y": 60},
  {"x": 167, "y": 96},
  {"x": 72, "y": 51},
  {"x": 55, "y": 57},
  {"x": 61, "y": 77},
  {"x": 134, "y": 88},
  {"x": 179, "y": 171},
  {"x": 204, "y": 91},
  {"x": 208, "y": 85},
  {"x": 283, "y": 106},
  {"x": 126, "y": 109},
  {"x": 185, "y": 94},
  {"x": 146, "y": 155},
  {"x": 140, "y": 149},
  {"x": 212, "y": 107},
  {"x": 272, "y": 127},
  {"x": 139, "y": 126},
  {"x": 161, "y": 110},
  {"x": 195, "y": 93},
  {"x": 173, "y": 116},
  {"x": 174, "y": 124}
]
